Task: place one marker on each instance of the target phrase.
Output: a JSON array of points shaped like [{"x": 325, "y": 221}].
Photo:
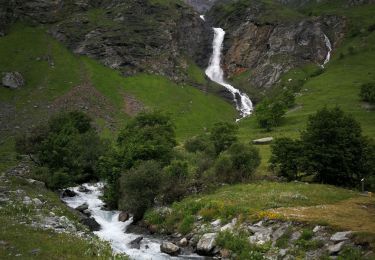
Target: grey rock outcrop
[
  {"x": 13, "y": 80},
  {"x": 136, "y": 243}
]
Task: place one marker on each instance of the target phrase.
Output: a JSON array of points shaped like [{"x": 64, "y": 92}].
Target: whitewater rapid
[
  {"x": 113, "y": 230},
  {"x": 216, "y": 74}
]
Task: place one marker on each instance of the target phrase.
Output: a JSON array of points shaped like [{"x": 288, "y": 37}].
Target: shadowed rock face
[{"x": 271, "y": 49}]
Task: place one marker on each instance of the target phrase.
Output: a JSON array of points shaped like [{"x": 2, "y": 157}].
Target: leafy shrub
[
  {"x": 200, "y": 143},
  {"x": 368, "y": 92},
  {"x": 138, "y": 188},
  {"x": 237, "y": 164},
  {"x": 223, "y": 135},
  {"x": 269, "y": 113},
  {"x": 285, "y": 157},
  {"x": 175, "y": 181},
  {"x": 68, "y": 146},
  {"x": 149, "y": 136}
]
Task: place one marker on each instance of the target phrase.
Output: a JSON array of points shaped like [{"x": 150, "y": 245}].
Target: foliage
[
  {"x": 138, "y": 188},
  {"x": 200, "y": 143},
  {"x": 368, "y": 92},
  {"x": 223, "y": 135},
  {"x": 239, "y": 245},
  {"x": 149, "y": 136},
  {"x": 334, "y": 148},
  {"x": 68, "y": 146},
  {"x": 175, "y": 181},
  {"x": 285, "y": 157},
  {"x": 237, "y": 164},
  {"x": 269, "y": 113}
]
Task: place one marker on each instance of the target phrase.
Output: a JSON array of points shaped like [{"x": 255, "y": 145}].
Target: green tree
[
  {"x": 286, "y": 156},
  {"x": 334, "y": 148},
  {"x": 269, "y": 113},
  {"x": 237, "y": 164},
  {"x": 149, "y": 136},
  {"x": 68, "y": 146},
  {"x": 223, "y": 135},
  {"x": 139, "y": 187},
  {"x": 175, "y": 181}
]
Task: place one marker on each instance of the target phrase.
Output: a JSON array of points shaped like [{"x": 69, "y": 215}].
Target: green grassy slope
[{"x": 51, "y": 71}]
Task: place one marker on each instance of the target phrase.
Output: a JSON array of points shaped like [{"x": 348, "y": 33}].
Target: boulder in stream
[
  {"x": 82, "y": 207},
  {"x": 68, "y": 193},
  {"x": 169, "y": 248},
  {"x": 124, "y": 216},
  {"x": 136, "y": 243},
  {"x": 91, "y": 223}
]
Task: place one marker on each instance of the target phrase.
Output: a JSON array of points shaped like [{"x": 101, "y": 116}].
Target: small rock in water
[
  {"x": 82, "y": 207},
  {"x": 136, "y": 243},
  {"x": 124, "y": 216},
  {"x": 169, "y": 248},
  {"x": 68, "y": 193},
  {"x": 341, "y": 236},
  {"x": 83, "y": 189}
]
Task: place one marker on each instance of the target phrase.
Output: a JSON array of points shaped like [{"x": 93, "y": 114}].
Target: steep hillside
[{"x": 59, "y": 80}]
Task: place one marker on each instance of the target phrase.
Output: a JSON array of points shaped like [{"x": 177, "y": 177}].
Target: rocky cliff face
[
  {"x": 264, "y": 41},
  {"x": 268, "y": 50},
  {"x": 131, "y": 36}
]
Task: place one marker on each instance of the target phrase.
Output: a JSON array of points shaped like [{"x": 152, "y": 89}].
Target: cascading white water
[
  {"x": 113, "y": 230},
  {"x": 329, "y": 47},
  {"x": 216, "y": 74}
]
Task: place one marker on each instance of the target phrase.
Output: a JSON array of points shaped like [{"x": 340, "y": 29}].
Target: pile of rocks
[{"x": 202, "y": 239}]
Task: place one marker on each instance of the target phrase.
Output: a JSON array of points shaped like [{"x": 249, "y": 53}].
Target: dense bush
[
  {"x": 269, "y": 113},
  {"x": 237, "y": 164},
  {"x": 68, "y": 146},
  {"x": 200, "y": 143},
  {"x": 139, "y": 187},
  {"x": 149, "y": 136},
  {"x": 175, "y": 181},
  {"x": 332, "y": 149},
  {"x": 368, "y": 92},
  {"x": 223, "y": 135},
  {"x": 285, "y": 157}
]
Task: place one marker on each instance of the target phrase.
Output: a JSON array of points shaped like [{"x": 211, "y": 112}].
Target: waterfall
[
  {"x": 202, "y": 17},
  {"x": 329, "y": 47},
  {"x": 216, "y": 74},
  {"x": 114, "y": 231}
]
